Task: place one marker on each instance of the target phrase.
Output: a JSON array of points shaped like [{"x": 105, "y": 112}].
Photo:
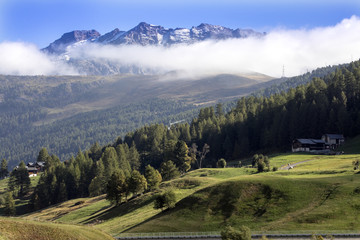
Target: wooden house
[
  {"x": 307, "y": 145},
  {"x": 333, "y": 140},
  {"x": 34, "y": 168}
]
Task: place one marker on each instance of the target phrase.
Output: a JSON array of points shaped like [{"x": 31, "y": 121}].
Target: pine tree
[
  {"x": 61, "y": 195},
  {"x": 110, "y": 160},
  {"x": 98, "y": 183},
  {"x": 20, "y": 179},
  {"x": 134, "y": 157},
  {"x": 44, "y": 157},
  {"x": 4, "y": 169},
  {"x": 116, "y": 187},
  {"x": 123, "y": 162},
  {"x": 153, "y": 177},
  {"x": 169, "y": 170},
  {"x": 9, "y": 208},
  {"x": 182, "y": 159},
  {"x": 137, "y": 183}
]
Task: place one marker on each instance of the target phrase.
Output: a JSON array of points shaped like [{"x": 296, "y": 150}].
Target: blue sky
[{"x": 43, "y": 21}]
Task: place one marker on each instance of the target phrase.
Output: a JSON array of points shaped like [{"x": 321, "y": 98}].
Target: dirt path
[{"x": 291, "y": 166}]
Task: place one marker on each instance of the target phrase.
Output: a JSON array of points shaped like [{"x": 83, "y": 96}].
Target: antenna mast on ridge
[{"x": 283, "y": 72}]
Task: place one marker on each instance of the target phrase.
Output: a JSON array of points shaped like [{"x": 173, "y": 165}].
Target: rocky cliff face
[
  {"x": 146, "y": 34},
  {"x": 67, "y": 39}
]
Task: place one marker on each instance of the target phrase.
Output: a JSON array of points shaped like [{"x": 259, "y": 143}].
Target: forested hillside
[
  {"x": 65, "y": 113},
  {"x": 256, "y": 124},
  {"x": 279, "y": 85}
]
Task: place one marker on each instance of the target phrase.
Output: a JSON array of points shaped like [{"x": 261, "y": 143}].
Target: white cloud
[
  {"x": 18, "y": 58},
  {"x": 299, "y": 50}
]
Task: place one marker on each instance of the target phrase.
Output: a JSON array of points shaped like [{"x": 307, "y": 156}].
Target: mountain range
[{"x": 145, "y": 34}]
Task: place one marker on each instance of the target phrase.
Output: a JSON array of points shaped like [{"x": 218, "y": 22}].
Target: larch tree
[{"x": 153, "y": 177}]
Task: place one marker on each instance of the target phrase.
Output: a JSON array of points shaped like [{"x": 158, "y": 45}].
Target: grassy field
[
  {"x": 322, "y": 193},
  {"x": 14, "y": 228}
]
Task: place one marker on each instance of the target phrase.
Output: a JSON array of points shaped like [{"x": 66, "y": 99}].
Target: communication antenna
[{"x": 283, "y": 72}]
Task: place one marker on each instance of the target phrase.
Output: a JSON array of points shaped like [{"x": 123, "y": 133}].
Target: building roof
[
  {"x": 31, "y": 168},
  {"x": 310, "y": 141},
  {"x": 318, "y": 141},
  {"x": 335, "y": 136},
  {"x": 41, "y": 164},
  {"x": 305, "y": 141}
]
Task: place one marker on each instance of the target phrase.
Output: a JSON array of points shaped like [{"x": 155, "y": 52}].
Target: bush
[
  {"x": 230, "y": 233},
  {"x": 167, "y": 199},
  {"x": 221, "y": 163},
  {"x": 275, "y": 169}
]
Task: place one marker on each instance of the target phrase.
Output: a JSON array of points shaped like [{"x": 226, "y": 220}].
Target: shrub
[
  {"x": 230, "y": 233},
  {"x": 167, "y": 199},
  {"x": 221, "y": 163}
]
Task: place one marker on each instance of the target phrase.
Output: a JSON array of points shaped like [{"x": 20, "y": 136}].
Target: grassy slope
[
  {"x": 13, "y": 228},
  {"x": 313, "y": 196},
  {"x": 21, "y": 205},
  {"x": 320, "y": 194}
]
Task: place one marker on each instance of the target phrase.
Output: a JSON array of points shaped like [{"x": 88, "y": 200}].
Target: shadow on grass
[{"x": 122, "y": 209}]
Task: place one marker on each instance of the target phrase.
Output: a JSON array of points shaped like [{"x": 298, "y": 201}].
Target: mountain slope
[
  {"x": 147, "y": 34},
  {"x": 64, "y": 113},
  {"x": 67, "y": 39},
  {"x": 69, "y": 49}
]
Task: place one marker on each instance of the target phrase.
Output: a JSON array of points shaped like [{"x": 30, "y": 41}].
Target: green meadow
[{"x": 321, "y": 193}]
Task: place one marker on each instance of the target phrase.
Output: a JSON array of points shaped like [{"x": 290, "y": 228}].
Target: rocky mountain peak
[{"x": 67, "y": 39}]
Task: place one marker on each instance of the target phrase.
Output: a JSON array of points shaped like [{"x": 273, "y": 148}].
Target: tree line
[{"x": 256, "y": 124}]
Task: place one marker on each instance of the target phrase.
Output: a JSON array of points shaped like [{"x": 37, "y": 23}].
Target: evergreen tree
[
  {"x": 116, "y": 187},
  {"x": 136, "y": 183},
  {"x": 123, "y": 153},
  {"x": 98, "y": 183},
  {"x": 169, "y": 170},
  {"x": 110, "y": 161},
  {"x": 182, "y": 159},
  {"x": 219, "y": 110},
  {"x": 62, "y": 194},
  {"x": 95, "y": 151},
  {"x": 134, "y": 157},
  {"x": 153, "y": 177},
  {"x": 44, "y": 157},
  {"x": 4, "y": 168},
  {"x": 20, "y": 180},
  {"x": 9, "y": 208}
]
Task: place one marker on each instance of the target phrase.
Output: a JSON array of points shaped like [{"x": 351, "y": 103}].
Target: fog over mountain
[{"x": 202, "y": 50}]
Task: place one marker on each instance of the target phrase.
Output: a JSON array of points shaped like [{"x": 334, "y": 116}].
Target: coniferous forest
[
  {"x": 257, "y": 124},
  {"x": 43, "y": 111}
]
